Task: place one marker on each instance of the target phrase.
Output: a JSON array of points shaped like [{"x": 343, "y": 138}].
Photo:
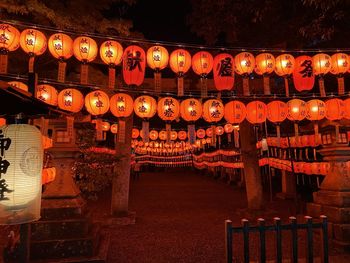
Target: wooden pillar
[
  {"x": 288, "y": 186},
  {"x": 251, "y": 166},
  {"x": 121, "y": 176}
]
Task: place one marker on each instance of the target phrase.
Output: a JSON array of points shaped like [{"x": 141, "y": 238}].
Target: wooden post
[
  {"x": 228, "y": 240},
  {"x": 121, "y": 177}
]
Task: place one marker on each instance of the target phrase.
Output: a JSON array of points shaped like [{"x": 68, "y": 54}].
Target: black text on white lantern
[{"x": 21, "y": 160}]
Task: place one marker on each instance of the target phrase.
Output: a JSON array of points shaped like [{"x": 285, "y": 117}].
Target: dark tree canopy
[{"x": 272, "y": 23}]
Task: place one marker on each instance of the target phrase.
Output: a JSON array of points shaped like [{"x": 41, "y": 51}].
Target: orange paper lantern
[
  {"x": 315, "y": 110},
  {"x": 235, "y": 111},
  {"x": 335, "y": 109},
  {"x": 105, "y": 126},
  {"x": 321, "y": 65},
  {"x": 97, "y": 102},
  {"x": 135, "y": 133},
  {"x": 121, "y": 105},
  {"x": 111, "y": 53},
  {"x": 202, "y": 63},
  {"x": 244, "y": 65},
  {"x": 19, "y": 85},
  {"x": 157, "y": 59},
  {"x": 347, "y": 108},
  {"x": 256, "y": 112},
  {"x": 145, "y": 106},
  {"x": 70, "y": 100},
  {"x": 264, "y": 63},
  {"x": 209, "y": 132},
  {"x": 277, "y": 111},
  {"x": 340, "y": 65},
  {"x": 303, "y": 76},
  {"x": 200, "y": 133},
  {"x": 153, "y": 135},
  {"x": 85, "y": 49},
  {"x": 180, "y": 63},
  {"x": 284, "y": 67},
  {"x": 134, "y": 65},
  {"x": 191, "y": 109},
  {"x": 213, "y": 110},
  {"x": 173, "y": 135},
  {"x": 168, "y": 108},
  {"x": 296, "y": 110},
  {"x": 223, "y": 72},
  {"x": 219, "y": 130},
  {"x": 60, "y": 46},
  {"x": 114, "y": 128},
  {"x": 228, "y": 128},
  {"x": 47, "y": 94},
  {"x": 163, "y": 135},
  {"x": 9, "y": 41},
  {"x": 182, "y": 135}
]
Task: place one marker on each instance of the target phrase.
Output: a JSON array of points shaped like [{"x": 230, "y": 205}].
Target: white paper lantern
[{"x": 21, "y": 153}]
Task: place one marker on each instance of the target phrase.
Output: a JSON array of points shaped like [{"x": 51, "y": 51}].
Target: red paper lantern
[
  {"x": 9, "y": 41},
  {"x": 135, "y": 133},
  {"x": 182, "y": 135},
  {"x": 162, "y": 135},
  {"x": 70, "y": 100},
  {"x": 114, "y": 128},
  {"x": 173, "y": 135},
  {"x": 315, "y": 110},
  {"x": 321, "y": 64},
  {"x": 340, "y": 63},
  {"x": 33, "y": 42},
  {"x": 60, "y": 46},
  {"x": 153, "y": 135},
  {"x": 111, "y": 52},
  {"x": 284, "y": 65},
  {"x": 97, "y": 102},
  {"x": 228, "y": 128},
  {"x": 202, "y": 63},
  {"x": 277, "y": 111},
  {"x": 200, "y": 133},
  {"x": 134, "y": 64},
  {"x": 121, "y": 105},
  {"x": 191, "y": 109},
  {"x": 219, "y": 130},
  {"x": 347, "y": 108},
  {"x": 105, "y": 126},
  {"x": 168, "y": 108},
  {"x": 256, "y": 112},
  {"x": 235, "y": 111},
  {"x": 19, "y": 85},
  {"x": 47, "y": 94},
  {"x": 145, "y": 107},
  {"x": 85, "y": 49},
  {"x": 180, "y": 61},
  {"x": 223, "y": 71},
  {"x": 209, "y": 132},
  {"x": 303, "y": 76},
  {"x": 244, "y": 63},
  {"x": 296, "y": 110},
  {"x": 213, "y": 110},
  {"x": 157, "y": 57},
  {"x": 335, "y": 109},
  {"x": 264, "y": 63}
]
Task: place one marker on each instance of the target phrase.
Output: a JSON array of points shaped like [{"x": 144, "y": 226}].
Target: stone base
[
  {"x": 62, "y": 208},
  {"x": 129, "y": 219}
]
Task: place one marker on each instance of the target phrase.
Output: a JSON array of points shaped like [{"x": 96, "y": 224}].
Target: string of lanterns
[{"x": 134, "y": 59}]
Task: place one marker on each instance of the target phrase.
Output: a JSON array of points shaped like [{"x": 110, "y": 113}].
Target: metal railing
[{"x": 261, "y": 228}]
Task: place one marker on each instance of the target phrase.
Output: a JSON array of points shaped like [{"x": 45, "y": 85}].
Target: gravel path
[{"x": 180, "y": 218}]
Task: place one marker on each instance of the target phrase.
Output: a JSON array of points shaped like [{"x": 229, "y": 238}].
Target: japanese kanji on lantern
[
  {"x": 180, "y": 63},
  {"x": 134, "y": 65},
  {"x": 265, "y": 65},
  {"x": 213, "y": 111},
  {"x": 47, "y": 94},
  {"x": 61, "y": 47},
  {"x": 9, "y": 41},
  {"x": 85, "y": 50},
  {"x": 33, "y": 42},
  {"x": 121, "y": 106},
  {"x": 315, "y": 111},
  {"x": 321, "y": 65},
  {"x": 223, "y": 72},
  {"x": 244, "y": 66},
  {"x": 235, "y": 113},
  {"x": 202, "y": 64},
  {"x": 111, "y": 53},
  {"x": 19, "y": 85},
  {"x": 191, "y": 111},
  {"x": 277, "y": 112},
  {"x": 70, "y": 100},
  {"x": 284, "y": 67},
  {"x": 168, "y": 110},
  {"x": 256, "y": 112},
  {"x": 21, "y": 157},
  {"x": 157, "y": 59},
  {"x": 145, "y": 107},
  {"x": 303, "y": 75},
  {"x": 296, "y": 113},
  {"x": 340, "y": 65}
]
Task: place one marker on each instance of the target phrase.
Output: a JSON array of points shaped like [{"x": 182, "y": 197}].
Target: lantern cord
[{"x": 168, "y": 43}]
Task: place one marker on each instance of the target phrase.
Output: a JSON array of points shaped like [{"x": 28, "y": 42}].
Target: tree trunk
[{"x": 251, "y": 166}]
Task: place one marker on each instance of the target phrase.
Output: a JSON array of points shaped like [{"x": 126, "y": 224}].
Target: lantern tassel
[
  {"x": 84, "y": 72},
  {"x": 246, "y": 91},
  {"x": 191, "y": 133},
  {"x": 3, "y": 63},
  {"x": 341, "y": 86},
  {"x": 204, "y": 87},
  {"x": 61, "y": 76},
  {"x": 111, "y": 77},
  {"x": 168, "y": 130},
  {"x": 213, "y": 137},
  {"x": 286, "y": 85},
  {"x": 278, "y": 131},
  {"x": 99, "y": 132},
  {"x": 31, "y": 64},
  {"x": 236, "y": 137},
  {"x": 321, "y": 85},
  {"x": 121, "y": 131},
  {"x": 157, "y": 81},
  {"x": 267, "y": 90},
  {"x": 145, "y": 131},
  {"x": 180, "y": 85},
  {"x": 70, "y": 127},
  {"x": 296, "y": 131},
  {"x": 316, "y": 132}
]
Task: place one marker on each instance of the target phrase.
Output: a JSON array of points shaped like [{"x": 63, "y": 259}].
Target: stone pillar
[
  {"x": 121, "y": 177},
  {"x": 333, "y": 198},
  {"x": 288, "y": 186}
]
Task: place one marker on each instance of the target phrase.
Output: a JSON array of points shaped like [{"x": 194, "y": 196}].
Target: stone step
[
  {"x": 65, "y": 248},
  {"x": 62, "y": 208},
  {"x": 60, "y": 229}
]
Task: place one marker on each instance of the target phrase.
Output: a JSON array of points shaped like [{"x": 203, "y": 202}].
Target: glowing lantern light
[
  {"x": 277, "y": 112},
  {"x": 209, "y": 132},
  {"x": 256, "y": 112},
  {"x": 2, "y": 121},
  {"x": 70, "y": 100},
  {"x": 114, "y": 128},
  {"x": 180, "y": 63},
  {"x": 201, "y": 133},
  {"x": 202, "y": 64},
  {"x": 145, "y": 107},
  {"x": 228, "y": 128},
  {"x": 284, "y": 67},
  {"x": 19, "y": 85},
  {"x": 235, "y": 112},
  {"x": 157, "y": 59},
  {"x": 321, "y": 65},
  {"x": 163, "y": 135},
  {"x": 105, "y": 126},
  {"x": 9, "y": 41},
  {"x": 303, "y": 75},
  {"x": 173, "y": 135},
  {"x": 244, "y": 65},
  {"x": 33, "y": 42},
  {"x": 153, "y": 134},
  {"x": 335, "y": 109},
  {"x": 121, "y": 105},
  {"x": 296, "y": 112},
  {"x": 61, "y": 48},
  {"x": 47, "y": 94},
  {"x": 135, "y": 133},
  {"x": 340, "y": 65},
  {"x": 315, "y": 111},
  {"x": 264, "y": 65},
  {"x": 168, "y": 110},
  {"x": 213, "y": 110},
  {"x": 111, "y": 53},
  {"x": 134, "y": 65},
  {"x": 223, "y": 72},
  {"x": 182, "y": 135},
  {"x": 97, "y": 102},
  {"x": 21, "y": 166}
]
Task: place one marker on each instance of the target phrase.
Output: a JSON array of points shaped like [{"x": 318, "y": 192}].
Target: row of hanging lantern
[{"x": 133, "y": 58}]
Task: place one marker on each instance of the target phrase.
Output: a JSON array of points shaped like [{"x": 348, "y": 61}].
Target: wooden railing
[{"x": 278, "y": 229}]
